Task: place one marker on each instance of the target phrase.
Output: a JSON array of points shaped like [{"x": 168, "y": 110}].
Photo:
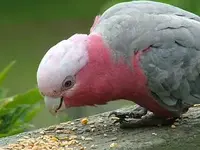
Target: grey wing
[{"x": 172, "y": 66}]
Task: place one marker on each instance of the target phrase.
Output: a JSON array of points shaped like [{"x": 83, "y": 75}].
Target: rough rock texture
[{"x": 100, "y": 133}]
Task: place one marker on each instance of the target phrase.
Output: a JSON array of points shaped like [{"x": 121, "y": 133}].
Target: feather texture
[{"x": 172, "y": 64}]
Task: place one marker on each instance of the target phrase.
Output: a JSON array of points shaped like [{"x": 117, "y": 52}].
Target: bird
[{"x": 141, "y": 51}]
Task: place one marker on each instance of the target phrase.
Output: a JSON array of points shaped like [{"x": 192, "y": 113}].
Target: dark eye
[{"x": 68, "y": 83}]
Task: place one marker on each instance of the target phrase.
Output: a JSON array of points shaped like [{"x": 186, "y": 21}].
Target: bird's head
[
  {"x": 69, "y": 76},
  {"x": 56, "y": 74}
]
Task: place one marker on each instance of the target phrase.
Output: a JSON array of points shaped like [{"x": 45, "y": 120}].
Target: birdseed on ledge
[{"x": 46, "y": 142}]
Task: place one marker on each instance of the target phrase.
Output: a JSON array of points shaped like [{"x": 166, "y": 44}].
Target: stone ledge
[{"x": 100, "y": 133}]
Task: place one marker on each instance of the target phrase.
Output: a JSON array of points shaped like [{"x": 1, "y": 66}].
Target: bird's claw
[
  {"x": 136, "y": 113},
  {"x": 138, "y": 118},
  {"x": 117, "y": 114},
  {"x": 121, "y": 117},
  {"x": 118, "y": 117}
]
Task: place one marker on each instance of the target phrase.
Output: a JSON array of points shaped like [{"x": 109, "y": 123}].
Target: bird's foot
[
  {"x": 148, "y": 120},
  {"x": 138, "y": 117},
  {"x": 135, "y": 113}
]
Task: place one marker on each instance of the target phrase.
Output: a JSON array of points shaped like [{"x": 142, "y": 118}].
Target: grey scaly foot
[
  {"x": 148, "y": 121},
  {"x": 136, "y": 113}
]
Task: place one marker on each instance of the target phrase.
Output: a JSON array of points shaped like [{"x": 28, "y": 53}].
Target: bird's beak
[{"x": 54, "y": 105}]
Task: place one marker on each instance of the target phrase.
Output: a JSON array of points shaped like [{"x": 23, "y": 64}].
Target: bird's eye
[{"x": 68, "y": 82}]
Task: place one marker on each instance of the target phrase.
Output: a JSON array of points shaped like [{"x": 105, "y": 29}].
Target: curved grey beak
[{"x": 54, "y": 105}]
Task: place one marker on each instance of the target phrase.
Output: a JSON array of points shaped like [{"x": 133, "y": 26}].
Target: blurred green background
[{"x": 29, "y": 28}]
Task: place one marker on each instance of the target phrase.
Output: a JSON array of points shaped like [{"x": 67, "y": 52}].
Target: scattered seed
[
  {"x": 154, "y": 133},
  {"x": 82, "y": 137},
  {"x": 59, "y": 131},
  {"x": 113, "y": 145},
  {"x": 42, "y": 132},
  {"x": 176, "y": 123},
  {"x": 72, "y": 142},
  {"x": 93, "y": 146},
  {"x": 114, "y": 130},
  {"x": 105, "y": 134},
  {"x": 82, "y": 148},
  {"x": 88, "y": 139},
  {"x": 73, "y": 137},
  {"x": 74, "y": 128},
  {"x": 92, "y": 126},
  {"x": 26, "y": 137},
  {"x": 173, "y": 126},
  {"x": 72, "y": 123},
  {"x": 84, "y": 121},
  {"x": 93, "y": 129}
]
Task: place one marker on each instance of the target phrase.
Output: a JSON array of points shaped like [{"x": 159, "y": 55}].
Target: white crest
[{"x": 65, "y": 58}]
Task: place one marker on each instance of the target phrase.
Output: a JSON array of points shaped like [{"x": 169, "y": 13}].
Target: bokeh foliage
[
  {"x": 17, "y": 111},
  {"x": 28, "y": 10}
]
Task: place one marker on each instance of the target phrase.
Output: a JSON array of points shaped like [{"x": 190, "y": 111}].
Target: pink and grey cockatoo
[{"x": 142, "y": 51}]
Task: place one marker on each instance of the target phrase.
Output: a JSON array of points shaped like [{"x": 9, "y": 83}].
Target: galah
[{"x": 142, "y": 51}]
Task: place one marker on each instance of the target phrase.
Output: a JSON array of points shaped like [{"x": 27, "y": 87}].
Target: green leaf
[
  {"x": 30, "y": 114},
  {"x": 17, "y": 111},
  {"x": 5, "y": 71},
  {"x": 31, "y": 97}
]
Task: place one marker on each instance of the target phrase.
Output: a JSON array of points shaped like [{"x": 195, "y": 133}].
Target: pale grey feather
[{"x": 172, "y": 66}]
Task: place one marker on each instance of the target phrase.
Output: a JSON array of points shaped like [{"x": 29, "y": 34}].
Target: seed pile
[
  {"x": 46, "y": 142},
  {"x": 66, "y": 136}
]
